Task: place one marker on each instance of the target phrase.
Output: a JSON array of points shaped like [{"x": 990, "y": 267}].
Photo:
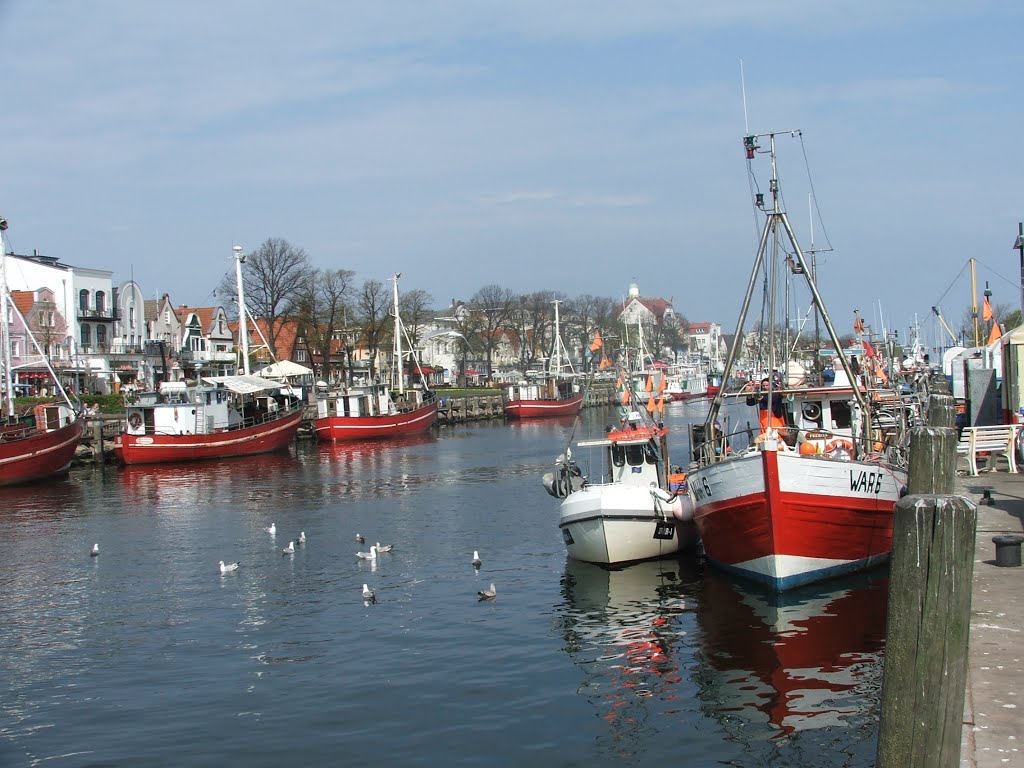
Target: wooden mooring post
[{"x": 928, "y": 624}]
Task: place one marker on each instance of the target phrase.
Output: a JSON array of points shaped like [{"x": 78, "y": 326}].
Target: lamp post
[{"x": 1019, "y": 245}]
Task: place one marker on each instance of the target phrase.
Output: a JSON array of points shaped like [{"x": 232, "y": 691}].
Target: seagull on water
[
  {"x": 227, "y": 568},
  {"x": 272, "y": 530},
  {"x": 290, "y": 549},
  {"x": 368, "y": 594},
  {"x": 360, "y": 538},
  {"x": 371, "y": 555},
  {"x": 384, "y": 547},
  {"x": 476, "y": 559},
  {"x": 95, "y": 550},
  {"x": 488, "y": 594},
  {"x": 302, "y": 537}
]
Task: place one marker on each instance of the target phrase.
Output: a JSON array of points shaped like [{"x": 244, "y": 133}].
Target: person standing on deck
[{"x": 773, "y": 418}]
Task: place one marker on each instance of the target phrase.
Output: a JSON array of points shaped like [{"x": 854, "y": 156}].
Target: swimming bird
[
  {"x": 302, "y": 537},
  {"x": 488, "y": 594},
  {"x": 227, "y": 568},
  {"x": 95, "y": 550},
  {"x": 476, "y": 559},
  {"x": 290, "y": 549},
  {"x": 272, "y": 530},
  {"x": 371, "y": 555},
  {"x": 360, "y": 538},
  {"x": 384, "y": 547},
  {"x": 368, "y": 594}
]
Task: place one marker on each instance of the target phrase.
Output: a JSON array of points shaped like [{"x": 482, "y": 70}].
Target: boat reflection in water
[
  {"x": 624, "y": 628},
  {"x": 810, "y": 658}
]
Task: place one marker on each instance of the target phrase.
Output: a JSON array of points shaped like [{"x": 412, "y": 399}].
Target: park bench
[{"x": 990, "y": 441}]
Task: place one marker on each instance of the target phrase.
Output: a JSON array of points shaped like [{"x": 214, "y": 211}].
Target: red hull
[
  {"x": 40, "y": 456},
  {"x": 160, "y": 449},
  {"x": 713, "y": 390},
  {"x": 376, "y": 427},
  {"x": 533, "y": 409}
]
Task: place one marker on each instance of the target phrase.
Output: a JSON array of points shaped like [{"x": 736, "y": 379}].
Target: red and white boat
[
  {"x": 42, "y": 445},
  {"x": 369, "y": 410},
  {"x": 556, "y": 392},
  {"x": 686, "y": 381},
  {"x": 636, "y": 509},
  {"x": 813, "y": 496},
  {"x": 214, "y": 417}
]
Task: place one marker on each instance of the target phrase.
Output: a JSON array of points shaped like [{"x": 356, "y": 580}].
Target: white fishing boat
[
  {"x": 813, "y": 495},
  {"x": 635, "y": 509}
]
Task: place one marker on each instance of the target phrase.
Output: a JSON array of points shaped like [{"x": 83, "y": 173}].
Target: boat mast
[
  {"x": 243, "y": 330},
  {"x": 398, "y": 338},
  {"x": 5, "y": 337},
  {"x": 556, "y": 357}
]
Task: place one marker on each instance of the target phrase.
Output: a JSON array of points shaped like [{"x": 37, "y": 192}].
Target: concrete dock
[{"x": 993, "y": 731}]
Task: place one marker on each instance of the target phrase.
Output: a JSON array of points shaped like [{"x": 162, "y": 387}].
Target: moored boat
[
  {"x": 813, "y": 495},
  {"x": 554, "y": 393},
  {"x": 368, "y": 410},
  {"x": 637, "y": 510},
  {"x": 41, "y": 445}
]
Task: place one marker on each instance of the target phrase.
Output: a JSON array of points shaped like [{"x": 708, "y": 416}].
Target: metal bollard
[{"x": 1008, "y": 550}]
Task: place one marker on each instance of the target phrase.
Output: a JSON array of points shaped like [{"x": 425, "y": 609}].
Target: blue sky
[{"x": 571, "y": 146}]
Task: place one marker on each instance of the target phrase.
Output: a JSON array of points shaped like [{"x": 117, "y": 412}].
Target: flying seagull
[
  {"x": 227, "y": 568},
  {"x": 488, "y": 594}
]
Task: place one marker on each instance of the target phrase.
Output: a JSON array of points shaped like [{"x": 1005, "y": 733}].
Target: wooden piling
[
  {"x": 928, "y": 625},
  {"x": 932, "y": 460},
  {"x": 941, "y": 411},
  {"x": 97, "y": 438}
]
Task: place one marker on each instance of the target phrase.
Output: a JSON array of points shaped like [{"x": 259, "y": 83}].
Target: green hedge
[{"x": 106, "y": 403}]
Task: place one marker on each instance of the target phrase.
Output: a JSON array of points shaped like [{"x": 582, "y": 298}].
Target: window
[
  {"x": 101, "y": 335},
  {"x": 841, "y": 417},
  {"x": 131, "y": 316},
  {"x": 83, "y": 299},
  {"x": 101, "y": 302},
  {"x": 86, "y": 335}
]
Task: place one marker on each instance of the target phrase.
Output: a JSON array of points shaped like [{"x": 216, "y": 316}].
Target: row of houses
[{"x": 102, "y": 338}]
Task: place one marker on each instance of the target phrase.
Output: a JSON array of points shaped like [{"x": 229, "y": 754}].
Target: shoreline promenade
[{"x": 993, "y": 729}]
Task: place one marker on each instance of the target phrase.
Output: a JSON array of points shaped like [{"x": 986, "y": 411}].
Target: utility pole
[{"x": 1019, "y": 245}]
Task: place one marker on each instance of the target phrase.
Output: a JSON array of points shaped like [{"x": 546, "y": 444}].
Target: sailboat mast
[
  {"x": 556, "y": 358},
  {"x": 243, "y": 329},
  {"x": 6, "y": 331},
  {"x": 974, "y": 305},
  {"x": 398, "y": 339}
]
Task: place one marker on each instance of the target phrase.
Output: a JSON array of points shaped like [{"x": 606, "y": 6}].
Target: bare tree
[
  {"x": 589, "y": 315},
  {"x": 532, "y": 319},
  {"x": 373, "y": 303},
  {"x": 415, "y": 307},
  {"x": 273, "y": 278},
  {"x": 322, "y": 308},
  {"x": 494, "y": 304}
]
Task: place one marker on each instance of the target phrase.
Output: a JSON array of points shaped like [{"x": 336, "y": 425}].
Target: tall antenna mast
[{"x": 243, "y": 330}]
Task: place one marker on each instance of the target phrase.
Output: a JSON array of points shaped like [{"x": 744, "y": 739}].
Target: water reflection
[
  {"x": 807, "y": 659},
  {"x": 624, "y": 628}
]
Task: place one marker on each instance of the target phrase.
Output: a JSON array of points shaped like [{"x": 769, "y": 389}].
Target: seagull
[
  {"x": 95, "y": 550},
  {"x": 302, "y": 537},
  {"x": 384, "y": 547},
  {"x": 272, "y": 530},
  {"x": 476, "y": 559},
  {"x": 360, "y": 538},
  {"x": 227, "y": 568},
  {"x": 290, "y": 549},
  {"x": 371, "y": 555},
  {"x": 488, "y": 594},
  {"x": 368, "y": 594}
]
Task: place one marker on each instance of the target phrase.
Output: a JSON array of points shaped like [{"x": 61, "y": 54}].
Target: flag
[
  {"x": 625, "y": 397},
  {"x": 606, "y": 362},
  {"x": 649, "y": 386},
  {"x": 597, "y": 343},
  {"x": 651, "y": 405},
  {"x": 986, "y": 311},
  {"x": 995, "y": 335},
  {"x": 858, "y": 325},
  {"x": 869, "y": 351}
]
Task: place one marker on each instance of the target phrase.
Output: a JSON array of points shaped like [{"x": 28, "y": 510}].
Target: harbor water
[{"x": 145, "y": 655}]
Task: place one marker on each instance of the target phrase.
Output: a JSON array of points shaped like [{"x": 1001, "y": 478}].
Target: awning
[
  {"x": 284, "y": 368},
  {"x": 244, "y": 385}
]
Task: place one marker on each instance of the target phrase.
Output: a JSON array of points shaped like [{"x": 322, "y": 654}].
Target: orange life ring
[
  {"x": 134, "y": 421},
  {"x": 839, "y": 444}
]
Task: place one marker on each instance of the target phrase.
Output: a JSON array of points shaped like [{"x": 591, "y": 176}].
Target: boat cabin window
[
  {"x": 842, "y": 417},
  {"x": 634, "y": 455}
]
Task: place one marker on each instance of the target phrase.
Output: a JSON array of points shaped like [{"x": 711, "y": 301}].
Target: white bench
[{"x": 995, "y": 439}]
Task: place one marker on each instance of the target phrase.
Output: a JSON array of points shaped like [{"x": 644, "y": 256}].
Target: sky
[{"x": 570, "y": 146}]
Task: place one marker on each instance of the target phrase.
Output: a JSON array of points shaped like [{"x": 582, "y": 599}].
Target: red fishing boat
[
  {"x": 41, "y": 445},
  {"x": 369, "y": 410},
  {"x": 556, "y": 392}
]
